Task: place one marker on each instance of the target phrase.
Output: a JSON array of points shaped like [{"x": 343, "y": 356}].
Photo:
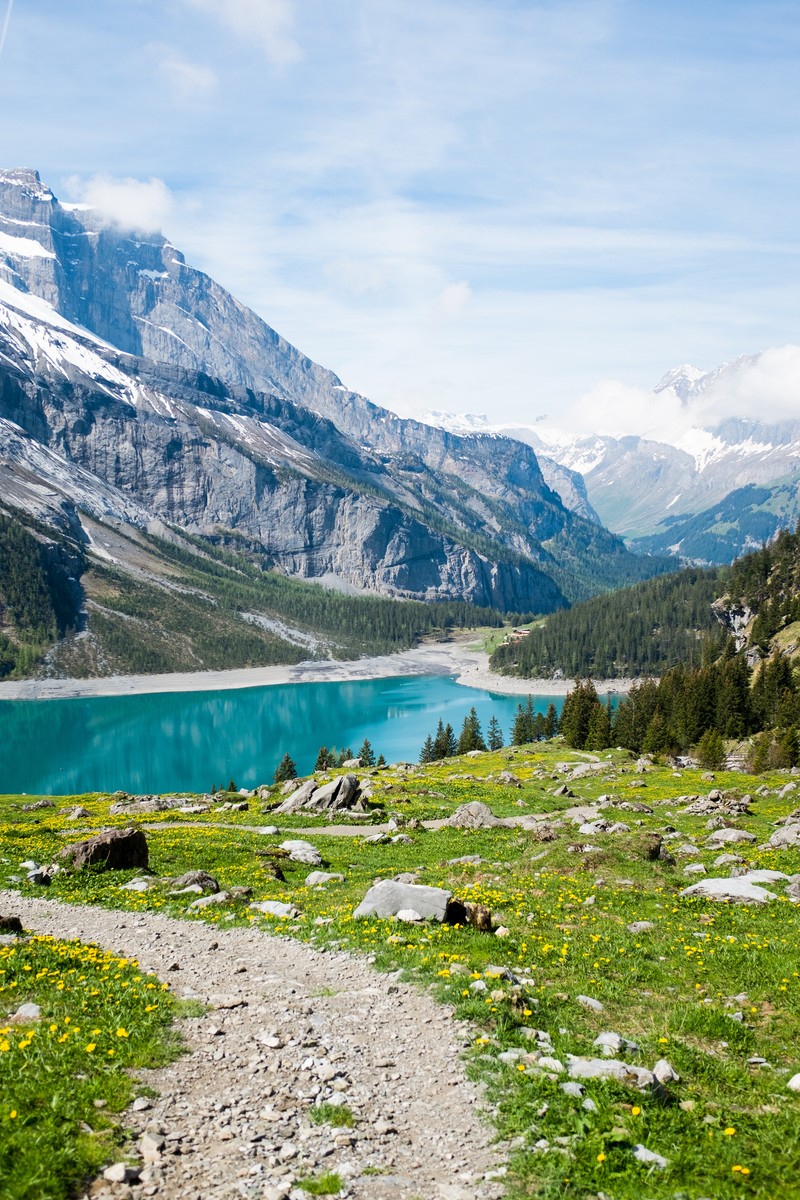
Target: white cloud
[
  {"x": 190, "y": 82},
  {"x": 131, "y": 203},
  {"x": 454, "y": 297},
  {"x": 269, "y": 23},
  {"x": 763, "y": 387}
]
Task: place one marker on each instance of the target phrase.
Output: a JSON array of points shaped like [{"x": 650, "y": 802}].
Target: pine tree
[
  {"x": 471, "y": 737},
  {"x": 285, "y": 770},
  {"x": 711, "y": 750},
  {"x": 381, "y": 761},
  {"x": 598, "y": 736},
  {"x": 522, "y": 731},
  {"x": 451, "y": 745},
  {"x": 495, "y": 734},
  {"x": 427, "y": 753},
  {"x": 366, "y": 754},
  {"x": 579, "y": 707},
  {"x": 344, "y": 757},
  {"x": 657, "y": 739},
  {"x": 323, "y": 761},
  {"x": 439, "y": 743},
  {"x": 551, "y": 721}
]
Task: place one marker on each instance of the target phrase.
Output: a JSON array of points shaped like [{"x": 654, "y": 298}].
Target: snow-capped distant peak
[{"x": 679, "y": 380}]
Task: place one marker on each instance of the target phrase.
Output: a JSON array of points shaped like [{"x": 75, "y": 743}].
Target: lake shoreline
[{"x": 460, "y": 658}]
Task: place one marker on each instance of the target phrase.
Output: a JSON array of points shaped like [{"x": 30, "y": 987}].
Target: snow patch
[{"x": 23, "y": 247}]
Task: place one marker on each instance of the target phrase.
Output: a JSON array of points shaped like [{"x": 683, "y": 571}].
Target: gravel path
[{"x": 289, "y": 1025}]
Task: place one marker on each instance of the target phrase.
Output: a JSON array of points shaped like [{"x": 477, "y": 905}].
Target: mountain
[
  {"x": 569, "y": 485},
  {"x": 709, "y": 497},
  {"x": 135, "y": 391}
]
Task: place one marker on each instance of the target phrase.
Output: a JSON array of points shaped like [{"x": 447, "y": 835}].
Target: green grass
[
  {"x": 65, "y": 1077},
  {"x": 328, "y": 1184},
  {"x": 671, "y": 990},
  {"x": 338, "y": 1115}
]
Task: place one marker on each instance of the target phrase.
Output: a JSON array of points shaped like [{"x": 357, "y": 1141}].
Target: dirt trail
[{"x": 289, "y": 1025}]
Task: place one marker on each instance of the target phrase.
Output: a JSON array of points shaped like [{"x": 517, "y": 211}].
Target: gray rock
[
  {"x": 387, "y": 898},
  {"x": 25, "y": 1013},
  {"x": 738, "y": 891},
  {"x": 579, "y": 1067},
  {"x": 474, "y": 815},
  {"x": 694, "y": 869},
  {"x": 665, "y": 1073},
  {"x": 789, "y": 835},
  {"x": 640, "y": 927},
  {"x": 409, "y": 915},
  {"x": 727, "y": 836},
  {"x": 214, "y": 898},
  {"x": 649, "y": 1157},
  {"x": 298, "y": 797},
  {"x": 138, "y": 885},
  {"x": 121, "y": 1172},
  {"x": 316, "y": 878},
  {"x": 274, "y": 908},
  {"x": 612, "y": 1043},
  {"x": 573, "y": 1089},
  {"x": 200, "y": 879},
  {"x": 590, "y": 1002},
  {"x": 304, "y": 852},
  {"x": 764, "y": 876},
  {"x": 727, "y": 860},
  {"x": 794, "y": 1083}
]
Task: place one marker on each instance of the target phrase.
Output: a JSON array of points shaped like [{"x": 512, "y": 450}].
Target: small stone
[
  {"x": 151, "y": 1146},
  {"x": 640, "y": 926},
  {"x": 141, "y": 1104},
  {"x": 121, "y": 1172},
  {"x": 643, "y": 1155},
  {"x": 665, "y": 1073},
  {"x": 26, "y": 1012},
  {"x": 304, "y": 852},
  {"x": 590, "y": 1002},
  {"x": 275, "y": 908},
  {"x": 209, "y": 901},
  {"x": 573, "y": 1089},
  {"x": 794, "y": 1083},
  {"x": 409, "y": 915}
]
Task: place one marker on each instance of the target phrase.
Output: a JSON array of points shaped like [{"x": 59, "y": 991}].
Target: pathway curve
[{"x": 289, "y": 1025}]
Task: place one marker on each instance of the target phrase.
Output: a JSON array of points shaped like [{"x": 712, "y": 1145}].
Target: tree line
[
  {"x": 528, "y": 726},
  {"x": 642, "y": 630}
]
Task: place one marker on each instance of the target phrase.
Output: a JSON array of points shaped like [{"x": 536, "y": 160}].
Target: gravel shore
[{"x": 460, "y": 658}]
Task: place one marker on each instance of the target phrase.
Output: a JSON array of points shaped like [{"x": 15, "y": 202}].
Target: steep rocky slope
[{"x": 134, "y": 391}]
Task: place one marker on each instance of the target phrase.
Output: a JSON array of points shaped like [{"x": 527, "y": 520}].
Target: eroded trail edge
[{"x": 289, "y": 1026}]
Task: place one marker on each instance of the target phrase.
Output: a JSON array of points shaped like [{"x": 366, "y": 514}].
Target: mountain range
[
  {"x": 136, "y": 394},
  {"x": 709, "y": 496}
]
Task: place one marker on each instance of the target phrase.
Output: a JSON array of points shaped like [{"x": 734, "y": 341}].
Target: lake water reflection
[{"x": 191, "y": 740}]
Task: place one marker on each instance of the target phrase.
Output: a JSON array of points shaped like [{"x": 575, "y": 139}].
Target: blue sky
[{"x": 477, "y": 205}]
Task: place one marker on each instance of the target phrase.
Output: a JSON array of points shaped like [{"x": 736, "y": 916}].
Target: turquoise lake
[{"x": 193, "y": 740}]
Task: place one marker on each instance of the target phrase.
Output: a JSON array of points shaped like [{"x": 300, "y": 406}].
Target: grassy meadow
[{"x": 712, "y": 988}]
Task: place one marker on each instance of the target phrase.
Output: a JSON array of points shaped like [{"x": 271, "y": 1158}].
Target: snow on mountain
[{"x": 634, "y": 482}]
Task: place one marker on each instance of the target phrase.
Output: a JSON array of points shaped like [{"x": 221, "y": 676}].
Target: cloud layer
[{"x": 130, "y": 203}]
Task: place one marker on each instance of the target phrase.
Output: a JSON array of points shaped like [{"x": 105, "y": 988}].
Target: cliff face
[{"x": 158, "y": 396}]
